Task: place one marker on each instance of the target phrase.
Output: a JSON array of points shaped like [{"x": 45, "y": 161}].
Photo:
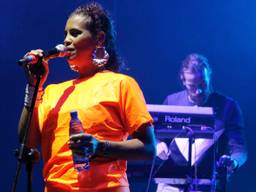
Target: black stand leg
[
  {"x": 190, "y": 167},
  {"x": 25, "y": 154}
]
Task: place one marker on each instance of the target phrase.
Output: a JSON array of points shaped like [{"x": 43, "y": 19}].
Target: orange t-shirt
[{"x": 110, "y": 106}]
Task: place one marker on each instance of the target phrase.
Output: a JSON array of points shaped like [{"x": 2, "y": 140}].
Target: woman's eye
[{"x": 75, "y": 32}]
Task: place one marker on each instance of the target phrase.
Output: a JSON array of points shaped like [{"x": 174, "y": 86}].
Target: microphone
[{"x": 58, "y": 51}]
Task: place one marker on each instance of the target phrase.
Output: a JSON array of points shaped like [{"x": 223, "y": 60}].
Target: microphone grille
[{"x": 62, "y": 50}]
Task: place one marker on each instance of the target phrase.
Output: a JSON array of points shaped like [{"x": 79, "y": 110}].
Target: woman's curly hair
[{"x": 101, "y": 21}]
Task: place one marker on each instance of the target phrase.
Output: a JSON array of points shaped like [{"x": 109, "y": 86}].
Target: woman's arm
[
  {"x": 22, "y": 122},
  {"x": 141, "y": 146},
  {"x": 31, "y": 72}
]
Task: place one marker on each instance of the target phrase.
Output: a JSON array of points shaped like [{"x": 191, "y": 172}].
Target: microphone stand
[{"x": 24, "y": 154}]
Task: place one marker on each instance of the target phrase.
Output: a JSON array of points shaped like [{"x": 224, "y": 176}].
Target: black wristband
[{"x": 104, "y": 148}]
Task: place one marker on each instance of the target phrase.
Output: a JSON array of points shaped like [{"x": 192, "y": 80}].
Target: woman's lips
[{"x": 71, "y": 54}]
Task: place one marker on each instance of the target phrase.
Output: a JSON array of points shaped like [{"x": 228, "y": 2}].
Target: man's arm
[{"x": 235, "y": 134}]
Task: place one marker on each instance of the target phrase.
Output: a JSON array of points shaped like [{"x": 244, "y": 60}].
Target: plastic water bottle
[{"x": 80, "y": 159}]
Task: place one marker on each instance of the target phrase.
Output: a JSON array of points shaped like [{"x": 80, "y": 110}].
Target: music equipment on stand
[
  {"x": 188, "y": 122},
  {"x": 172, "y": 121},
  {"x": 191, "y": 123}
]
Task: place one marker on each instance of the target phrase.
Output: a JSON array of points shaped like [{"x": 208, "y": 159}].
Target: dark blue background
[{"x": 152, "y": 37}]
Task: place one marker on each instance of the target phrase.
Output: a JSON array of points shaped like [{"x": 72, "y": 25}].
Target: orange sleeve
[
  {"x": 133, "y": 105},
  {"x": 44, "y": 107}
]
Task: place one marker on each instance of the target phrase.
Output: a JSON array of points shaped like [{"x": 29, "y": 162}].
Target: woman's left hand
[{"x": 83, "y": 141}]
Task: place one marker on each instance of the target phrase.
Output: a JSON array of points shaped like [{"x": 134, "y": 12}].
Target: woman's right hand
[{"x": 32, "y": 70}]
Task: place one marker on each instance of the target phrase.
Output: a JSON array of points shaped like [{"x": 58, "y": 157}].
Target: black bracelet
[
  {"x": 29, "y": 92},
  {"x": 104, "y": 149}
]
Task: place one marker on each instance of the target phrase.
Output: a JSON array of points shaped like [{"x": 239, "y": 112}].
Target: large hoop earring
[{"x": 100, "y": 56}]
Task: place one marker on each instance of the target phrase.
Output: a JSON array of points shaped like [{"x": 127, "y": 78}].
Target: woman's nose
[{"x": 67, "y": 41}]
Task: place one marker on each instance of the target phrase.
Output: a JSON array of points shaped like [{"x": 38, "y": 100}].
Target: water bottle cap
[{"x": 74, "y": 114}]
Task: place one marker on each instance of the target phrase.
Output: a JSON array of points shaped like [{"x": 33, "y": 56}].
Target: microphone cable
[{"x": 150, "y": 174}]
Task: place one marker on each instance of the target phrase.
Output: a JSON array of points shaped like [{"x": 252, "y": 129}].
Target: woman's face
[{"x": 80, "y": 43}]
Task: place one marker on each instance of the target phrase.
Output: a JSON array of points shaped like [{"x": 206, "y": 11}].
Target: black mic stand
[
  {"x": 25, "y": 154},
  {"x": 191, "y": 140}
]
